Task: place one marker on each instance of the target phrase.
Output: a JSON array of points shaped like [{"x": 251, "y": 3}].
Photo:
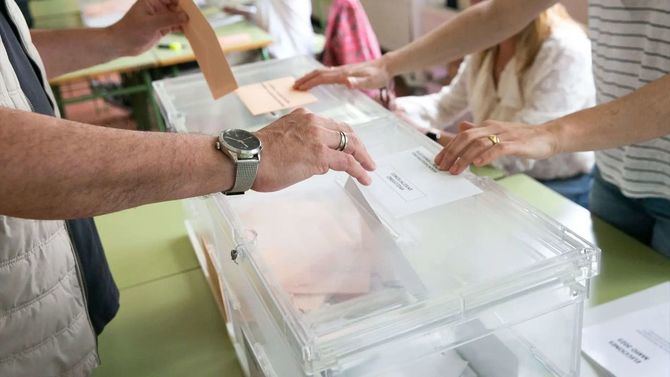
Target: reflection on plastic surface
[{"x": 327, "y": 251}]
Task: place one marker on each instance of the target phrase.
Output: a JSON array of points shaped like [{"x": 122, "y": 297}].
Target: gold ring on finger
[{"x": 494, "y": 139}]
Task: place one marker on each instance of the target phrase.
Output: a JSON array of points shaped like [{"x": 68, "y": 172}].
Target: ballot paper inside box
[{"x": 329, "y": 278}]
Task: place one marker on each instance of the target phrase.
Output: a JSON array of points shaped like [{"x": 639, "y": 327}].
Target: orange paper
[
  {"x": 273, "y": 95},
  {"x": 208, "y": 51}
]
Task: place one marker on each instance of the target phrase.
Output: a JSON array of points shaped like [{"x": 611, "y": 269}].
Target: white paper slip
[
  {"x": 635, "y": 344},
  {"x": 408, "y": 182}
]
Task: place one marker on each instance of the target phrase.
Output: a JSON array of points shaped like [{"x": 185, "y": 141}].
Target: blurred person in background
[{"x": 287, "y": 21}]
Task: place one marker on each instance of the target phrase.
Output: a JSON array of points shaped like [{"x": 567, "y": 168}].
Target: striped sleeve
[{"x": 631, "y": 48}]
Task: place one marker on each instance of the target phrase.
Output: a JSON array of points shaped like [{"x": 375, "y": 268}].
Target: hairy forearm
[
  {"x": 68, "y": 50},
  {"x": 475, "y": 29},
  {"x": 57, "y": 169},
  {"x": 639, "y": 116}
]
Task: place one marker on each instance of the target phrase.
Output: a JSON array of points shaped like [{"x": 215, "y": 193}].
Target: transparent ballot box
[{"x": 326, "y": 278}]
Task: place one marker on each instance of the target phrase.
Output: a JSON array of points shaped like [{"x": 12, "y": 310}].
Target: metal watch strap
[{"x": 245, "y": 175}]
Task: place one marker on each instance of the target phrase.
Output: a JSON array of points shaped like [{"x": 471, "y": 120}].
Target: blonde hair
[{"x": 530, "y": 39}]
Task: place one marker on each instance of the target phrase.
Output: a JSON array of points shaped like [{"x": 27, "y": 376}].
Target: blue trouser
[
  {"x": 575, "y": 188},
  {"x": 647, "y": 219},
  {"x": 102, "y": 295}
]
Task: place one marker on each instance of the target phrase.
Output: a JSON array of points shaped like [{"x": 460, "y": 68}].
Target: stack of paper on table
[{"x": 637, "y": 341}]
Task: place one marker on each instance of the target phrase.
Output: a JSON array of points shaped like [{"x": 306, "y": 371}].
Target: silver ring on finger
[{"x": 343, "y": 142}]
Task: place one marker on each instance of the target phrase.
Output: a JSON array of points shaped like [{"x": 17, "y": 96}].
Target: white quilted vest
[{"x": 44, "y": 324}]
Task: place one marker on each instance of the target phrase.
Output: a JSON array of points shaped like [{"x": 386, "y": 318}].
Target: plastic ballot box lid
[
  {"x": 187, "y": 107},
  {"x": 419, "y": 261}
]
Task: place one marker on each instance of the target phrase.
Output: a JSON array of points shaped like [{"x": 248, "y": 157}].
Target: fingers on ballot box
[{"x": 420, "y": 274}]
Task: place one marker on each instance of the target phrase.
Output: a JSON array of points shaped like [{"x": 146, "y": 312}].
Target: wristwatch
[{"x": 244, "y": 148}]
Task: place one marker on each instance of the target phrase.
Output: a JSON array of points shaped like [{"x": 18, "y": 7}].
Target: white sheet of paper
[
  {"x": 408, "y": 182},
  {"x": 635, "y": 344}
]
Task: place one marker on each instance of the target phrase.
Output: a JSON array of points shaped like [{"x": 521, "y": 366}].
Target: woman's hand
[
  {"x": 472, "y": 144},
  {"x": 368, "y": 75}
]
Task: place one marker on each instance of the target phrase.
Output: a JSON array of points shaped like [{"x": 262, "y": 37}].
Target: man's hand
[
  {"x": 472, "y": 144},
  {"x": 146, "y": 22},
  {"x": 67, "y": 50},
  {"x": 302, "y": 144},
  {"x": 368, "y": 75}
]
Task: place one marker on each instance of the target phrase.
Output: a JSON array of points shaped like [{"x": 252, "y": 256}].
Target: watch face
[{"x": 241, "y": 140}]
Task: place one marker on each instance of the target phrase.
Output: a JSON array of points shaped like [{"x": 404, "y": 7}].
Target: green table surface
[
  {"x": 488, "y": 171},
  {"x": 168, "y": 327},
  {"x": 627, "y": 265},
  {"x": 146, "y": 243}
]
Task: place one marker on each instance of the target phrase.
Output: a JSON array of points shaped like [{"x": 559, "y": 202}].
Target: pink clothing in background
[{"x": 349, "y": 36}]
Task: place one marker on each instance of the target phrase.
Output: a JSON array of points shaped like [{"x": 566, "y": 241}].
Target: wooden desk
[
  {"x": 55, "y": 14},
  {"x": 258, "y": 39}
]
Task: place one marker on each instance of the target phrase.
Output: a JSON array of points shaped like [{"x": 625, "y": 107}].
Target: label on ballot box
[{"x": 408, "y": 182}]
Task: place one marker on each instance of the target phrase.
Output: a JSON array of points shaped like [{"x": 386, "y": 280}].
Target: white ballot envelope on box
[{"x": 408, "y": 182}]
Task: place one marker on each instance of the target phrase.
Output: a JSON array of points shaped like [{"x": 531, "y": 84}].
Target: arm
[
  {"x": 68, "y": 50},
  {"x": 639, "y": 116},
  {"x": 475, "y": 29},
  {"x": 57, "y": 169},
  {"x": 559, "y": 82}
]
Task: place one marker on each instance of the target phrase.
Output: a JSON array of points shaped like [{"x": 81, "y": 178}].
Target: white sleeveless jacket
[{"x": 45, "y": 329}]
